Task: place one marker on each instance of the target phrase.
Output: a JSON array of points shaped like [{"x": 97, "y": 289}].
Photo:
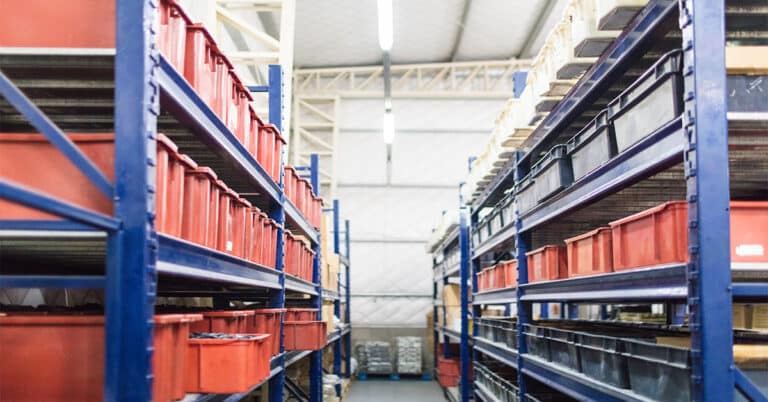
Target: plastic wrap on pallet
[
  {"x": 408, "y": 354},
  {"x": 375, "y": 357}
]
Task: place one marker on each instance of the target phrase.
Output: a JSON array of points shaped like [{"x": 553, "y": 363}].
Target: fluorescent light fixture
[
  {"x": 385, "y": 24},
  {"x": 388, "y": 127}
]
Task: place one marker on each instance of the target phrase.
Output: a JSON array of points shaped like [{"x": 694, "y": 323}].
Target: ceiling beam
[
  {"x": 538, "y": 25},
  {"x": 460, "y": 32}
]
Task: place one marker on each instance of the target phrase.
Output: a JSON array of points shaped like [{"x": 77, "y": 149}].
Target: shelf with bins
[
  {"x": 641, "y": 157},
  {"x": 122, "y": 89}
]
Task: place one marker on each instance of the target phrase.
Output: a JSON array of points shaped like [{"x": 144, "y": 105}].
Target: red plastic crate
[
  {"x": 52, "y": 174},
  {"x": 253, "y": 234},
  {"x": 305, "y": 335},
  {"x": 238, "y": 109},
  {"x": 652, "y": 237},
  {"x": 225, "y": 366},
  {"x": 448, "y": 366},
  {"x": 267, "y": 321},
  {"x": 266, "y": 147},
  {"x": 590, "y": 253},
  {"x": 499, "y": 275},
  {"x": 225, "y": 322},
  {"x": 749, "y": 233},
  {"x": 446, "y": 380},
  {"x": 290, "y": 178},
  {"x": 240, "y": 213},
  {"x": 201, "y": 63},
  {"x": 289, "y": 256},
  {"x": 547, "y": 263},
  {"x": 277, "y": 159},
  {"x": 227, "y": 199},
  {"x": 67, "y": 351},
  {"x": 223, "y": 89},
  {"x": 301, "y": 314},
  {"x": 253, "y": 137},
  {"x": 482, "y": 281},
  {"x": 510, "y": 273},
  {"x": 173, "y": 33},
  {"x": 170, "y": 168},
  {"x": 196, "y": 206}
]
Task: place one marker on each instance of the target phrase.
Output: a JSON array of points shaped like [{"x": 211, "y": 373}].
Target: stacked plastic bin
[
  {"x": 302, "y": 195},
  {"x": 303, "y": 331},
  {"x": 298, "y": 257},
  {"x": 499, "y": 276}
]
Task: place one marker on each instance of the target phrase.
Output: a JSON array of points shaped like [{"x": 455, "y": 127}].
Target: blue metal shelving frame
[
  {"x": 699, "y": 140},
  {"x": 135, "y": 254}
]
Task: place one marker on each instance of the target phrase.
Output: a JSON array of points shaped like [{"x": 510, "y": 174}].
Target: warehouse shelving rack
[
  {"x": 123, "y": 254},
  {"x": 444, "y": 272},
  {"x": 699, "y": 140}
]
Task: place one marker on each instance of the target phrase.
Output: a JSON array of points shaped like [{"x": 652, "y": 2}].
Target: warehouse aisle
[{"x": 395, "y": 391}]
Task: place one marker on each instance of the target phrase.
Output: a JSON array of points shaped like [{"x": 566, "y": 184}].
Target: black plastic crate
[
  {"x": 652, "y": 101},
  {"x": 511, "y": 334},
  {"x": 536, "y": 340},
  {"x": 525, "y": 194},
  {"x": 591, "y": 147},
  {"x": 747, "y": 93},
  {"x": 483, "y": 329},
  {"x": 562, "y": 348},
  {"x": 660, "y": 372},
  {"x": 495, "y": 221},
  {"x": 601, "y": 358},
  {"x": 552, "y": 173}
]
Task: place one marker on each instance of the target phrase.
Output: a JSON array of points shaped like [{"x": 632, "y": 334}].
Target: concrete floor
[{"x": 395, "y": 391}]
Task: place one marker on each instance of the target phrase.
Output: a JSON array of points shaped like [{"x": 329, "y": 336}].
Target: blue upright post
[
  {"x": 132, "y": 251},
  {"x": 316, "y": 358},
  {"x": 337, "y": 302},
  {"x": 465, "y": 387},
  {"x": 706, "y": 171},
  {"x": 523, "y": 244},
  {"x": 277, "y": 299},
  {"x": 347, "y": 314}
]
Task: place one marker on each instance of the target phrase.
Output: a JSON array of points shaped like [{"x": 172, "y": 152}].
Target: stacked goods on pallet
[
  {"x": 300, "y": 192},
  {"x": 374, "y": 358},
  {"x": 408, "y": 354},
  {"x": 586, "y": 30}
]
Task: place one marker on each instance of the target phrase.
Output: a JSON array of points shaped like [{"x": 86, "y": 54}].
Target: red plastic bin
[
  {"x": 173, "y": 33},
  {"x": 277, "y": 159},
  {"x": 655, "y": 236},
  {"x": 225, "y": 322},
  {"x": 253, "y": 138},
  {"x": 301, "y": 314},
  {"x": 52, "y": 174},
  {"x": 590, "y": 253},
  {"x": 238, "y": 109},
  {"x": 240, "y": 226},
  {"x": 749, "y": 233},
  {"x": 267, "y": 321},
  {"x": 170, "y": 168},
  {"x": 305, "y": 335},
  {"x": 660, "y": 236},
  {"x": 448, "y": 367},
  {"x": 547, "y": 263},
  {"x": 482, "y": 281},
  {"x": 225, "y": 366},
  {"x": 266, "y": 148},
  {"x": 226, "y": 231},
  {"x": 510, "y": 273},
  {"x": 67, "y": 351},
  {"x": 499, "y": 274},
  {"x": 201, "y": 63},
  {"x": 254, "y": 236},
  {"x": 198, "y": 185}
]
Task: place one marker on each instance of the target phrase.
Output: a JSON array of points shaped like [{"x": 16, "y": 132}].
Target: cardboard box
[
  {"x": 749, "y": 60},
  {"x": 452, "y": 295},
  {"x": 329, "y": 272},
  {"x": 453, "y": 316},
  {"x": 758, "y": 316},
  {"x": 328, "y": 316},
  {"x": 740, "y": 316}
]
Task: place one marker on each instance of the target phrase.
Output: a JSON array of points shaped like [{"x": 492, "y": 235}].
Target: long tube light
[
  {"x": 388, "y": 127},
  {"x": 385, "y": 24}
]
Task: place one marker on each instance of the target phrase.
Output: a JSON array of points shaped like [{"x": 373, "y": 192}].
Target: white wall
[{"x": 390, "y": 223}]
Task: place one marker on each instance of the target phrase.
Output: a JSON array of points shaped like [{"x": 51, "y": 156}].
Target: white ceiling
[{"x": 344, "y": 32}]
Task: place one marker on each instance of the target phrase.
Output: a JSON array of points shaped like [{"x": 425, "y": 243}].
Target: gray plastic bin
[
  {"x": 591, "y": 147},
  {"x": 652, "y": 101},
  {"x": 536, "y": 340},
  {"x": 525, "y": 194},
  {"x": 552, "y": 173},
  {"x": 562, "y": 348},
  {"x": 601, "y": 359},
  {"x": 660, "y": 372},
  {"x": 507, "y": 206}
]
